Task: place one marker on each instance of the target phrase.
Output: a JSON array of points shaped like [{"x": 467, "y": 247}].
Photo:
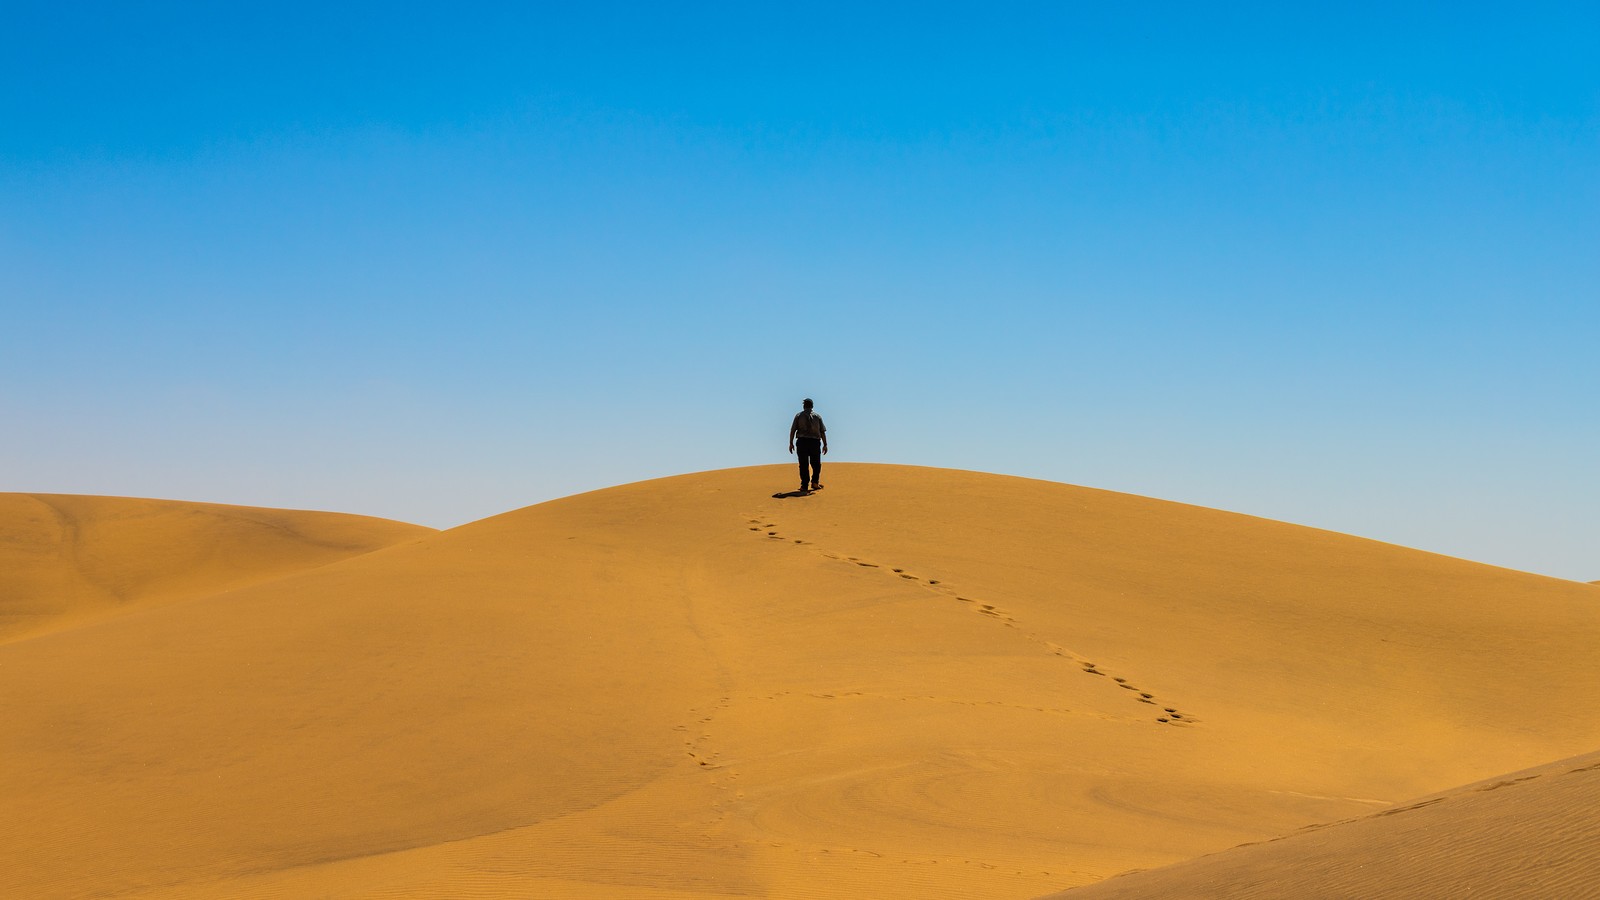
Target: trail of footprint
[
  {"x": 952, "y": 701},
  {"x": 1170, "y": 715},
  {"x": 722, "y": 775}
]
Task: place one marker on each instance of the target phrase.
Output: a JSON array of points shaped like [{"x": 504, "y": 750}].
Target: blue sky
[{"x": 437, "y": 262}]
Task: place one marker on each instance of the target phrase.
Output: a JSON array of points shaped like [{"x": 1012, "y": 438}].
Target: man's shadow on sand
[{"x": 787, "y": 494}]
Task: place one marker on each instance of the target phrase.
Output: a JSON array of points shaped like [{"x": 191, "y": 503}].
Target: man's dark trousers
[{"x": 809, "y": 450}]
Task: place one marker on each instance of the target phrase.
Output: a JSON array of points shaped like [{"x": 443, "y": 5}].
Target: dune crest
[
  {"x": 68, "y": 560},
  {"x": 1531, "y": 833},
  {"x": 916, "y": 683}
]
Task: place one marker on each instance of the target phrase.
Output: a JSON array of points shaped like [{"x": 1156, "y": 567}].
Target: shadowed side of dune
[
  {"x": 1530, "y": 834},
  {"x": 67, "y": 560}
]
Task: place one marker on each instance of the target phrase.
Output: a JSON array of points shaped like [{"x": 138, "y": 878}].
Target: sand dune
[
  {"x": 1528, "y": 834},
  {"x": 70, "y": 560},
  {"x": 917, "y": 683}
]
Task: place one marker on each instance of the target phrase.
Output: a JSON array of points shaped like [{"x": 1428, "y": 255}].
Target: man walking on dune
[{"x": 810, "y": 436}]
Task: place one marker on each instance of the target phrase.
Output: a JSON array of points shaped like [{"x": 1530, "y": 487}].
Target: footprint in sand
[{"x": 1172, "y": 717}]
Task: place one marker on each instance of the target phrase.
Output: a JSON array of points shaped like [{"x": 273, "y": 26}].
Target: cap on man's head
[{"x": 807, "y": 402}]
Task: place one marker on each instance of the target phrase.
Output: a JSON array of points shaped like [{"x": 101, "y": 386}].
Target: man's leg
[
  {"x": 810, "y": 453},
  {"x": 816, "y": 466}
]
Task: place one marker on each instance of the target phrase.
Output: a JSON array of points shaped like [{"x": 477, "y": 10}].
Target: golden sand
[
  {"x": 66, "y": 561},
  {"x": 915, "y": 683},
  {"x": 1533, "y": 834}
]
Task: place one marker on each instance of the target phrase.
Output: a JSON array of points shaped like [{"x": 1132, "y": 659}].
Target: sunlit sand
[
  {"x": 1529, "y": 834},
  {"x": 918, "y": 683},
  {"x": 67, "y": 561}
]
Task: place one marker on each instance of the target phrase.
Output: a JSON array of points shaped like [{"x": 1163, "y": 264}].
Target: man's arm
[
  {"x": 793, "y": 427},
  {"x": 824, "y": 430}
]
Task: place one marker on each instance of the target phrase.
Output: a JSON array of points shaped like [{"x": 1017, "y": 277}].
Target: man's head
[{"x": 806, "y": 403}]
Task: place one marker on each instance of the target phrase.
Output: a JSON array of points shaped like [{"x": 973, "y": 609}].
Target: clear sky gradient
[{"x": 435, "y": 262}]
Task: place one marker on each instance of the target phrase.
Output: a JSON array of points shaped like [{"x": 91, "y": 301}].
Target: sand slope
[
  {"x": 1530, "y": 834},
  {"x": 917, "y": 683},
  {"x": 67, "y": 560}
]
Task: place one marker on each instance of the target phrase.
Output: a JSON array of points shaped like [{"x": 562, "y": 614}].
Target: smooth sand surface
[
  {"x": 68, "y": 560},
  {"x": 1529, "y": 834},
  {"x": 915, "y": 683}
]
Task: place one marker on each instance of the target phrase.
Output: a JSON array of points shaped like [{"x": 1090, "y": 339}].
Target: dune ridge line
[{"x": 917, "y": 683}]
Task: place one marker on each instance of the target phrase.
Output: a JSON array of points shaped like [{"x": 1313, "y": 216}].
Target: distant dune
[
  {"x": 67, "y": 560},
  {"x": 918, "y": 683}
]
